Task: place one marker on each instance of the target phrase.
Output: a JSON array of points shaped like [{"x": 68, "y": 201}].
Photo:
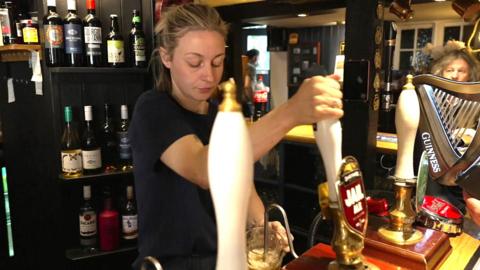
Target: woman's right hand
[{"x": 318, "y": 98}]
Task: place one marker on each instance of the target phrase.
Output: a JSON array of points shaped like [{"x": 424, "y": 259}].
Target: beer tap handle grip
[{"x": 328, "y": 136}]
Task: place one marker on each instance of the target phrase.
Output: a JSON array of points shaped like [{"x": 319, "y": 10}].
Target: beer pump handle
[
  {"x": 230, "y": 173},
  {"x": 407, "y": 117},
  {"x": 328, "y": 136}
]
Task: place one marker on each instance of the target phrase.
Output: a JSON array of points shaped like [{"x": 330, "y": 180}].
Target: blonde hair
[{"x": 174, "y": 24}]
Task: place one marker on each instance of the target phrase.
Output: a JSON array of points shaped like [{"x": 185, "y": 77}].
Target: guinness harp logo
[{"x": 351, "y": 195}]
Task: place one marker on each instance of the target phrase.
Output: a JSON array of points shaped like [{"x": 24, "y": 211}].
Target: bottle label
[
  {"x": 92, "y": 159},
  {"x": 71, "y": 160},
  {"x": 93, "y": 40},
  {"x": 73, "y": 39},
  {"x": 124, "y": 146},
  {"x": 88, "y": 224},
  {"x": 30, "y": 35},
  {"x": 129, "y": 226},
  {"x": 139, "y": 49},
  {"x": 115, "y": 51},
  {"x": 53, "y": 36}
]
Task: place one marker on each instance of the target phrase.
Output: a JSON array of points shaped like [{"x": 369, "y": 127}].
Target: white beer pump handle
[
  {"x": 230, "y": 173},
  {"x": 329, "y": 140},
  {"x": 407, "y": 117}
]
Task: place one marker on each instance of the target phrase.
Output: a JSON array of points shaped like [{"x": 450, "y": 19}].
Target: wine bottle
[
  {"x": 137, "y": 41},
  {"x": 53, "y": 29},
  {"x": 108, "y": 225},
  {"x": 91, "y": 154},
  {"x": 115, "y": 45},
  {"x": 129, "y": 217},
  {"x": 93, "y": 36},
  {"x": 73, "y": 29},
  {"x": 71, "y": 153},
  {"x": 109, "y": 142},
  {"x": 124, "y": 150},
  {"x": 88, "y": 220}
]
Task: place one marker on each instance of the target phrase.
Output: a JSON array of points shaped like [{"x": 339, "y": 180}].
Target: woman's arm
[{"x": 318, "y": 98}]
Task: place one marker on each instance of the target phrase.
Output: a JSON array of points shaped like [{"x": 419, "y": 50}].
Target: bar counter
[
  {"x": 463, "y": 246},
  {"x": 386, "y": 142}
]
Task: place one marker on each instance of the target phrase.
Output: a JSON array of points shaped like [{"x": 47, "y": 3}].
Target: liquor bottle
[
  {"x": 124, "y": 150},
  {"x": 109, "y": 143},
  {"x": 73, "y": 28},
  {"x": 129, "y": 217},
  {"x": 260, "y": 99},
  {"x": 71, "y": 153},
  {"x": 91, "y": 154},
  {"x": 92, "y": 29},
  {"x": 18, "y": 24},
  {"x": 108, "y": 225},
  {"x": 115, "y": 45},
  {"x": 137, "y": 41},
  {"x": 8, "y": 23},
  {"x": 88, "y": 220},
  {"x": 53, "y": 29}
]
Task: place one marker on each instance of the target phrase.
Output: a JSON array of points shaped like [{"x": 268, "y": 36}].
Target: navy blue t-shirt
[{"x": 175, "y": 217}]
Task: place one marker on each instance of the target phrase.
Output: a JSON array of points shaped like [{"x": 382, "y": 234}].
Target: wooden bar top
[
  {"x": 318, "y": 257},
  {"x": 386, "y": 142}
]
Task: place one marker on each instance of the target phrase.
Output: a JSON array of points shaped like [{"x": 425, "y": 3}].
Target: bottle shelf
[
  {"x": 266, "y": 180},
  {"x": 300, "y": 188},
  {"x": 76, "y": 254},
  {"x": 17, "y": 52},
  {"x": 96, "y": 70},
  {"x": 94, "y": 176}
]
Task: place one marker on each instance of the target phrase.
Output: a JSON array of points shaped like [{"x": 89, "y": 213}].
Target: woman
[{"x": 170, "y": 130}]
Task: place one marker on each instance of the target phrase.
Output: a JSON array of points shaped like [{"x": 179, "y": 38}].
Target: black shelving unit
[{"x": 44, "y": 205}]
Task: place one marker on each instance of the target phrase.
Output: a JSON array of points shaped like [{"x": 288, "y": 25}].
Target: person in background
[
  {"x": 457, "y": 65},
  {"x": 250, "y": 80},
  {"x": 170, "y": 131},
  {"x": 454, "y": 62}
]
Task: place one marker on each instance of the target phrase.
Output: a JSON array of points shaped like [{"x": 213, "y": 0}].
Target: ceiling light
[{"x": 302, "y": 15}]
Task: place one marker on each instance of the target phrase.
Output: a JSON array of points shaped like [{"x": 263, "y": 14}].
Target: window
[
  {"x": 457, "y": 32},
  {"x": 410, "y": 43}
]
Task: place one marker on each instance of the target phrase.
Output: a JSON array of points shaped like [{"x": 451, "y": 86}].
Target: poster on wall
[{"x": 162, "y": 4}]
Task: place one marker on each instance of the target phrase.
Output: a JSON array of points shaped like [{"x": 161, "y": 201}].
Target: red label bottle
[{"x": 109, "y": 226}]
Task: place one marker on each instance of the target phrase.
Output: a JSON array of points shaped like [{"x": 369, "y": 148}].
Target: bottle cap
[
  {"x": 88, "y": 112},
  {"x": 71, "y": 5},
  {"x": 90, "y": 4},
  {"x": 68, "y": 114},
  {"x": 129, "y": 192},
  {"x": 438, "y": 214},
  {"x": 87, "y": 192},
  {"x": 124, "y": 112}
]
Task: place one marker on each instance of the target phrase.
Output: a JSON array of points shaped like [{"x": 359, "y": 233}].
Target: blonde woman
[{"x": 170, "y": 132}]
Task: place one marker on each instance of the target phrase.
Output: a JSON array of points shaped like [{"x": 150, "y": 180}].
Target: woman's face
[
  {"x": 196, "y": 65},
  {"x": 457, "y": 70}
]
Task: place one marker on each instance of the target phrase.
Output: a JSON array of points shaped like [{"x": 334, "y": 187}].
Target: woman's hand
[
  {"x": 281, "y": 234},
  {"x": 473, "y": 207},
  {"x": 317, "y": 98}
]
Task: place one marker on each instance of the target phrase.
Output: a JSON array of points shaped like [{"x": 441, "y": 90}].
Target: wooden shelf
[
  {"x": 267, "y": 181},
  {"x": 76, "y": 254},
  {"x": 300, "y": 188},
  {"x": 17, "y": 52},
  {"x": 93, "y": 176},
  {"x": 96, "y": 70}
]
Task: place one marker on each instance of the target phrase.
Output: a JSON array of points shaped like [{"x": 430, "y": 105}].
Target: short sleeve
[{"x": 157, "y": 123}]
